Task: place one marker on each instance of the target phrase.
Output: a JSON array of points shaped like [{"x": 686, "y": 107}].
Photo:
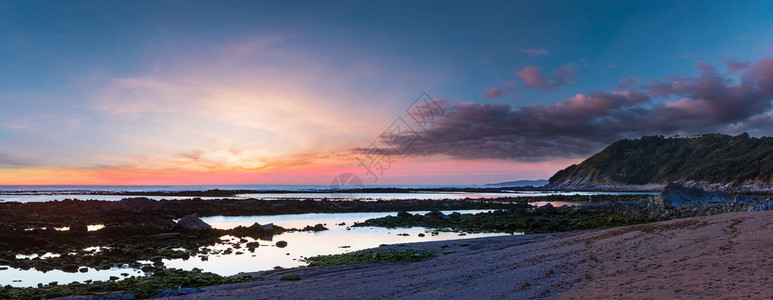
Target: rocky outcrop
[
  {"x": 437, "y": 215},
  {"x": 157, "y": 225},
  {"x": 677, "y": 194},
  {"x": 79, "y": 228},
  {"x": 193, "y": 222},
  {"x": 134, "y": 205},
  {"x": 264, "y": 231}
]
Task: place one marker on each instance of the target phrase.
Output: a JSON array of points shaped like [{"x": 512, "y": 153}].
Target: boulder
[
  {"x": 267, "y": 227},
  {"x": 79, "y": 228},
  {"x": 192, "y": 222},
  {"x": 546, "y": 209},
  {"x": 403, "y": 214}
]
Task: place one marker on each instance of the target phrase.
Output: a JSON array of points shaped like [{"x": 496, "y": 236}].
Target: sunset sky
[{"x": 294, "y": 92}]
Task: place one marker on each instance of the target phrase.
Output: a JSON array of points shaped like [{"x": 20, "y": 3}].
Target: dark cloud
[
  {"x": 583, "y": 124},
  {"x": 534, "y": 77},
  {"x": 736, "y": 66}
]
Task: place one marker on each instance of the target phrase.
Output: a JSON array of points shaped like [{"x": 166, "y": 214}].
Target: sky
[{"x": 395, "y": 92}]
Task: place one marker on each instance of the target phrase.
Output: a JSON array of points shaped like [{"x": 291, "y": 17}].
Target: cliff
[{"x": 657, "y": 160}]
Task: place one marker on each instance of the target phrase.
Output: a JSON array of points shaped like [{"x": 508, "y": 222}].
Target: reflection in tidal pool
[{"x": 233, "y": 255}]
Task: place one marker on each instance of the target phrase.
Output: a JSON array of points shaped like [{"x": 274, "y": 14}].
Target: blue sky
[{"x": 249, "y": 91}]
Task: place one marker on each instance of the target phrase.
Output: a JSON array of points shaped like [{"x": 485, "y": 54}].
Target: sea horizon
[{"x": 205, "y": 187}]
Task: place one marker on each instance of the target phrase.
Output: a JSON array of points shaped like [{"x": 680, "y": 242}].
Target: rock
[
  {"x": 192, "y": 222},
  {"x": 134, "y": 205},
  {"x": 436, "y": 214},
  {"x": 318, "y": 227},
  {"x": 546, "y": 209},
  {"x": 268, "y": 227},
  {"x": 171, "y": 292},
  {"x": 677, "y": 194},
  {"x": 281, "y": 244},
  {"x": 70, "y": 268},
  {"x": 403, "y": 214},
  {"x": 142, "y": 226},
  {"x": 79, "y": 228}
]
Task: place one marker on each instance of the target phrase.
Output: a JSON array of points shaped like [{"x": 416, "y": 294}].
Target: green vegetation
[
  {"x": 540, "y": 220},
  {"x": 370, "y": 257},
  {"x": 291, "y": 277},
  {"x": 140, "y": 287},
  {"x": 715, "y": 158}
]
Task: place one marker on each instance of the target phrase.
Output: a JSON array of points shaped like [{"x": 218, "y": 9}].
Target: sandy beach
[{"x": 721, "y": 256}]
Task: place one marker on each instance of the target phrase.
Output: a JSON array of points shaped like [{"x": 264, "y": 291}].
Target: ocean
[{"x": 5, "y": 189}]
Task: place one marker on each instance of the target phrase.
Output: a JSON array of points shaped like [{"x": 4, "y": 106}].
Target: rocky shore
[
  {"x": 140, "y": 229},
  {"x": 721, "y": 256}
]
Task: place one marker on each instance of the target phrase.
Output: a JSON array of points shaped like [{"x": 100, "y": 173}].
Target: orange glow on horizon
[{"x": 403, "y": 171}]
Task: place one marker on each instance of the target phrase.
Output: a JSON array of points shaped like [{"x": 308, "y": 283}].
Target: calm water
[
  {"x": 339, "y": 239},
  {"x": 52, "y": 193},
  {"x": 180, "y": 188}
]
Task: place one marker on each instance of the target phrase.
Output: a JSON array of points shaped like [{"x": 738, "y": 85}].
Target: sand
[{"x": 722, "y": 256}]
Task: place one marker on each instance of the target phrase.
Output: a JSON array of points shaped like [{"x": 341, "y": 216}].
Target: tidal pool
[{"x": 233, "y": 256}]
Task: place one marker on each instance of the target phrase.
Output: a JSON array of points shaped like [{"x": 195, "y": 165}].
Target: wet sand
[{"x": 722, "y": 256}]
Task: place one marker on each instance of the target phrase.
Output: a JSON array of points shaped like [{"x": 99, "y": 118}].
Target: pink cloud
[
  {"x": 533, "y": 77},
  {"x": 493, "y": 93},
  {"x": 535, "y": 51}
]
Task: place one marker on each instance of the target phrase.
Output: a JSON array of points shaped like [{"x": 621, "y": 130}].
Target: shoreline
[
  {"x": 723, "y": 255},
  {"x": 142, "y": 217}
]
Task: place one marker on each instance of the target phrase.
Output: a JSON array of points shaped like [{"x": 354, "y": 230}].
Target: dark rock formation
[
  {"x": 267, "y": 227},
  {"x": 403, "y": 214},
  {"x": 134, "y": 205},
  {"x": 436, "y": 214},
  {"x": 192, "y": 222},
  {"x": 79, "y": 228},
  {"x": 677, "y": 194},
  {"x": 158, "y": 225}
]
